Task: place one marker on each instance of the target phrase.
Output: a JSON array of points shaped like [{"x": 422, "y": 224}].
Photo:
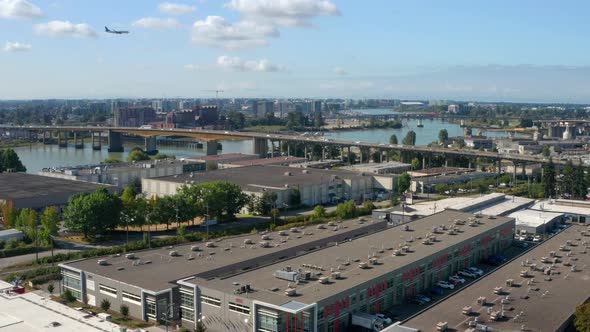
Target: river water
[{"x": 40, "y": 156}]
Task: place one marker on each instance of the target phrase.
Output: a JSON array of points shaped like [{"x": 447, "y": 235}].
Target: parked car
[
  {"x": 457, "y": 280},
  {"x": 468, "y": 274},
  {"x": 475, "y": 270},
  {"x": 537, "y": 238},
  {"x": 424, "y": 297},
  {"x": 436, "y": 291},
  {"x": 521, "y": 244},
  {"x": 384, "y": 318},
  {"x": 418, "y": 301},
  {"x": 445, "y": 284}
]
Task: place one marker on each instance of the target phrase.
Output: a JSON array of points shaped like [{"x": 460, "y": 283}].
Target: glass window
[
  {"x": 211, "y": 301},
  {"x": 151, "y": 308},
  {"x": 110, "y": 291},
  {"x": 187, "y": 314},
  {"x": 239, "y": 308},
  {"x": 130, "y": 297}
]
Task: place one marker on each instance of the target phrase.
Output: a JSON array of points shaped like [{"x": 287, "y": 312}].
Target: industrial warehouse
[{"x": 305, "y": 279}]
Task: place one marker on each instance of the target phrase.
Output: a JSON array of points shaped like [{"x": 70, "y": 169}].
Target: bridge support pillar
[
  {"x": 150, "y": 145},
  {"x": 62, "y": 143},
  {"x": 115, "y": 142},
  {"x": 349, "y": 156},
  {"x": 288, "y": 149},
  {"x": 305, "y": 151},
  {"x": 96, "y": 141},
  {"x": 260, "y": 146},
  {"x": 380, "y": 156},
  {"x": 272, "y": 148},
  {"x": 45, "y": 141},
  {"x": 524, "y": 170},
  {"x": 341, "y": 154},
  {"x": 323, "y": 152},
  {"x": 211, "y": 147},
  {"x": 424, "y": 162},
  {"x": 78, "y": 144}
]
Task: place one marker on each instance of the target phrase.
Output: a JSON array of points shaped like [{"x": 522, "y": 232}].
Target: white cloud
[
  {"x": 17, "y": 47},
  {"x": 65, "y": 28},
  {"x": 171, "y": 8},
  {"x": 217, "y": 32},
  {"x": 156, "y": 23},
  {"x": 284, "y": 12},
  {"x": 192, "y": 67},
  {"x": 19, "y": 9},
  {"x": 237, "y": 64},
  {"x": 339, "y": 71}
]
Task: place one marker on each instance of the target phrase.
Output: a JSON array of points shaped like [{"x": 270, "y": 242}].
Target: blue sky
[{"x": 500, "y": 50}]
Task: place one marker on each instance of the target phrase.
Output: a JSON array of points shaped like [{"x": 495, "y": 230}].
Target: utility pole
[{"x": 217, "y": 91}]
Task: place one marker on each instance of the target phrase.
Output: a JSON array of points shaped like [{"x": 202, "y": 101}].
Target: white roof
[
  {"x": 510, "y": 203},
  {"x": 10, "y": 231},
  {"x": 550, "y": 206},
  {"x": 30, "y": 312},
  {"x": 432, "y": 207},
  {"x": 534, "y": 218},
  {"x": 473, "y": 202}
]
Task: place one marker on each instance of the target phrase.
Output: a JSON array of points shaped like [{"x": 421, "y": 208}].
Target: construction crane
[{"x": 216, "y": 97}]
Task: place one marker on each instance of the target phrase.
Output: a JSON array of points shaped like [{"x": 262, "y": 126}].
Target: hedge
[{"x": 21, "y": 251}]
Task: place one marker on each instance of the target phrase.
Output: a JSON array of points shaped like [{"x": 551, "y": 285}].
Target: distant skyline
[{"x": 501, "y": 50}]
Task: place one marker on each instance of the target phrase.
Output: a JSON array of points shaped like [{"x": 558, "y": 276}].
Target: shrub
[
  {"x": 105, "y": 304},
  {"x": 50, "y": 288},
  {"x": 124, "y": 309},
  {"x": 68, "y": 296}
]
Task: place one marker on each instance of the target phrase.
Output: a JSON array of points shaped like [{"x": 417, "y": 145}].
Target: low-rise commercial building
[
  {"x": 122, "y": 174},
  {"x": 10, "y": 234},
  {"x": 576, "y": 211},
  {"x": 278, "y": 282},
  {"x": 314, "y": 186},
  {"x": 282, "y": 161},
  {"x": 392, "y": 167},
  {"x": 536, "y": 222},
  {"x": 22, "y": 190},
  {"x": 538, "y": 291},
  {"x": 427, "y": 184}
]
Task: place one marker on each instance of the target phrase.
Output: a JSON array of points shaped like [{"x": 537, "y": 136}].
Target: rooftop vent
[
  {"x": 363, "y": 265},
  {"x": 265, "y": 244},
  {"x": 288, "y": 174},
  {"x": 290, "y": 292},
  {"x": 248, "y": 241},
  {"x": 324, "y": 280},
  {"x": 266, "y": 237},
  {"x": 130, "y": 256},
  {"x": 103, "y": 262},
  {"x": 195, "y": 248},
  {"x": 305, "y": 171},
  {"x": 210, "y": 244},
  {"x": 173, "y": 253}
]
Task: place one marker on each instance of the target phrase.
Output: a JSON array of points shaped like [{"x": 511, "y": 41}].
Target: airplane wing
[{"x": 106, "y": 29}]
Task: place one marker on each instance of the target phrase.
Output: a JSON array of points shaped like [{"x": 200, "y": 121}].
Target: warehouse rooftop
[
  {"x": 155, "y": 269},
  {"x": 545, "y": 304},
  {"x": 255, "y": 178},
  {"x": 17, "y": 186},
  {"x": 346, "y": 257}
]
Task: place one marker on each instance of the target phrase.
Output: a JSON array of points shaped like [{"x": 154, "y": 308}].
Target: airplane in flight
[{"x": 117, "y": 32}]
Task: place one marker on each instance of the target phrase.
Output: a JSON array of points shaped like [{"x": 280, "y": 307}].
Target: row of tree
[
  {"x": 573, "y": 182},
  {"x": 36, "y": 228}
]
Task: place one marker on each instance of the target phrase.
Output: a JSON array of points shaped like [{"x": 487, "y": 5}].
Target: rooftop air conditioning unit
[
  {"x": 290, "y": 292},
  {"x": 248, "y": 241},
  {"x": 130, "y": 256},
  {"x": 103, "y": 262},
  {"x": 288, "y": 174},
  {"x": 323, "y": 280},
  {"x": 195, "y": 248},
  {"x": 363, "y": 265},
  {"x": 294, "y": 230},
  {"x": 321, "y": 226},
  {"x": 210, "y": 244},
  {"x": 266, "y": 237},
  {"x": 173, "y": 253},
  {"x": 264, "y": 244},
  {"x": 335, "y": 275},
  {"x": 305, "y": 171}
]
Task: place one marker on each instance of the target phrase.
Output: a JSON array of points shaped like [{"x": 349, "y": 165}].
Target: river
[{"x": 39, "y": 156}]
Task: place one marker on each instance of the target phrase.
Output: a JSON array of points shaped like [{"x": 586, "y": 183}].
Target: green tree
[
  {"x": 582, "y": 318},
  {"x": 443, "y": 136},
  {"x": 346, "y": 210},
  {"x": 236, "y": 119},
  {"x": 393, "y": 139},
  {"x": 181, "y": 231},
  {"x": 27, "y": 222},
  {"x": 410, "y": 138},
  {"x": 580, "y": 185},
  {"x": 548, "y": 179},
  {"x": 124, "y": 310},
  {"x": 567, "y": 184},
  {"x": 68, "y": 296},
  {"x": 416, "y": 164},
  {"x": 319, "y": 212},
  {"x": 112, "y": 160},
  {"x": 93, "y": 213},
  {"x": 266, "y": 203},
  {"x": 9, "y": 214},
  {"x": 160, "y": 155},
  {"x": 546, "y": 150},
  {"x": 134, "y": 207},
  {"x": 137, "y": 154},
  {"x": 49, "y": 224},
  {"x": 403, "y": 182},
  {"x": 9, "y": 161},
  {"x": 105, "y": 304},
  {"x": 294, "y": 198},
  {"x": 50, "y": 288},
  {"x": 200, "y": 327},
  {"x": 219, "y": 198}
]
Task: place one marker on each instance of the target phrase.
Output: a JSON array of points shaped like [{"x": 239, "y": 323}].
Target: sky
[{"x": 489, "y": 50}]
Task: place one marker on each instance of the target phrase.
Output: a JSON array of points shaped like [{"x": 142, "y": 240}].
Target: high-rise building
[
  {"x": 316, "y": 107},
  {"x": 264, "y": 107},
  {"x": 133, "y": 116}
]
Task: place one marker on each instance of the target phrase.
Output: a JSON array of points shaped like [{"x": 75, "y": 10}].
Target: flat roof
[
  {"x": 31, "y": 312},
  {"x": 163, "y": 269},
  {"x": 269, "y": 289},
  {"x": 263, "y": 161},
  {"x": 88, "y": 169},
  {"x": 388, "y": 164},
  {"x": 226, "y": 156},
  {"x": 476, "y": 201},
  {"x": 427, "y": 208},
  {"x": 440, "y": 170},
  {"x": 255, "y": 178},
  {"x": 550, "y": 206},
  {"x": 14, "y": 186},
  {"x": 534, "y": 218},
  {"x": 510, "y": 204},
  {"x": 546, "y": 309}
]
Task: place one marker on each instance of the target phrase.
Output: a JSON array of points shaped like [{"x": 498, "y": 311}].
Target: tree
[
  {"x": 548, "y": 179},
  {"x": 200, "y": 327},
  {"x": 582, "y": 318},
  {"x": 546, "y": 151},
  {"x": 49, "y": 224},
  {"x": 105, "y": 304},
  {"x": 9, "y": 214},
  {"x": 567, "y": 183},
  {"x": 68, "y": 296},
  {"x": 236, "y": 119},
  {"x": 266, "y": 203},
  {"x": 410, "y": 138},
  {"x": 319, "y": 212},
  {"x": 443, "y": 136},
  {"x": 580, "y": 185},
  {"x": 218, "y": 197},
  {"x": 9, "y": 161},
  {"x": 50, "y": 288},
  {"x": 416, "y": 163},
  {"x": 137, "y": 154},
  {"x": 393, "y": 139},
  {"x": 181, "y": 231},
  {"x": 27, "y": 222},
  {"x": 112, "y": 160},
  {"x": 93, "y": 213},
  {"x": 134, "y": 207},
  {"x": 295, "y": 198},
  {"x": 124, "y": 310},
  {"x": 164, "y": 156},
  {"x": 525, "y": 123},
  {"x": 404, "y": 182},
  {"x": 346, "y": 210}
]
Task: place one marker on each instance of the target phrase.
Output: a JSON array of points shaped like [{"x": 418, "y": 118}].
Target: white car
[
  {"x": 384, "y": 318},
  {"x": 468, "y": 274},
  {"x": 457, "y": 280},
  {"x": 537, "y": 238},
  {"x": 475, "y": 270},
  {"x": 445, "y": 284}
]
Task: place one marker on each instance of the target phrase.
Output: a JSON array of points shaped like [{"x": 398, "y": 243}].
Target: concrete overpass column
[
  {"x": 305, "y": 151},
  {"x": 348, "y": 156},
  {"x": 151, "y": 145},
  {"x": 59, "y": 141},
  {"x": 211, "y": 147},
  {"x": 260, "y": 146},
  {"x": 288, "y": 149},
  {"x": 44, "y": 133},
  {"x": 380, "y": 156},
  {"x": 96, "y": 141},
  {"x": 523, "y": 170},
  {"x": 78, "y": 143},
  {"x": 323, "y": 152},
  {"x": 115, "y": 142},
  {"x": 341, "y": 154},
  {"x": 499, "y": 166},
  {"x": 424, "y": 162}
]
